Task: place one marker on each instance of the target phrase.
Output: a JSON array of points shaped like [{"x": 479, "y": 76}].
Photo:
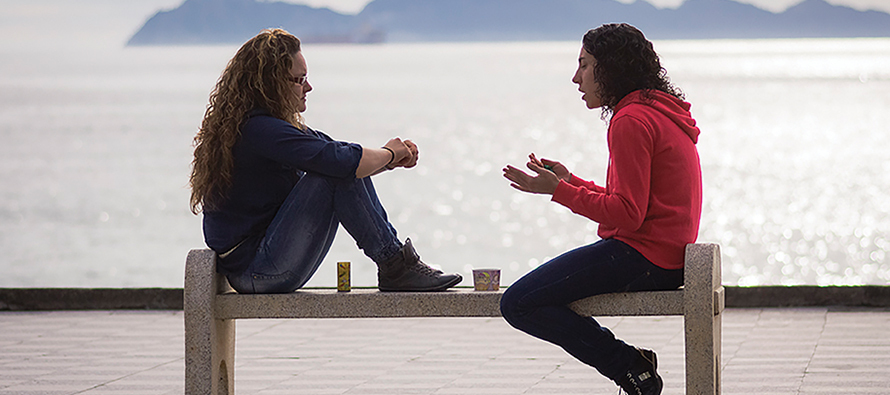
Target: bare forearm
[{"x": 374, "y": 161}]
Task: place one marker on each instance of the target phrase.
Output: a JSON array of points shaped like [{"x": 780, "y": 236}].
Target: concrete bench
[{"x": 211, "y": 308}]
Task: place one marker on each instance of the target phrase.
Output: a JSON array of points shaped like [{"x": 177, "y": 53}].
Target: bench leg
[
  {"x": 209, "y": 342},
  {"x": 703, "y": 348},
  {"x": 209, "y": 358},
  {"x": 703, "y": 319},
  {"x": 223, "y": 359}
]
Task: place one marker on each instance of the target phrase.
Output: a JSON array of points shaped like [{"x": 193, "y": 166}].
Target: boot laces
[
  {"x": 634, "y": 388},
  {"x": 424, "y": 269},
  {"x": 418, "y": 266}
]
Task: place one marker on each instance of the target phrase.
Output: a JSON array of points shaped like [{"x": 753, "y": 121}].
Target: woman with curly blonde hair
[{"x": 273, "y": 191}]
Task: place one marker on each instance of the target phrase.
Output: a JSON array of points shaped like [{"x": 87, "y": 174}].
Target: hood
[{"x": 673, "y": 108}]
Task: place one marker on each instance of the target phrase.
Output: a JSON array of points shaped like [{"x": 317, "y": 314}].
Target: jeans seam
[{"x": 644, "y": 275}]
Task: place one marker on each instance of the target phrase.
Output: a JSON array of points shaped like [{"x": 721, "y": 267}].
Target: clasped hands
[
  {"x": 548, "y": 175},
  {"x": 405, "y": 153}
]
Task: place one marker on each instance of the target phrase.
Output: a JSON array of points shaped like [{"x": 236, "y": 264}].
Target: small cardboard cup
[{"x": 487, "y": 279}]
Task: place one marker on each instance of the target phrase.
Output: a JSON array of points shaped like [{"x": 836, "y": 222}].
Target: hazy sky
[
  {"x": 354, "y": 6},
  {"x": 70, "y": 25}
]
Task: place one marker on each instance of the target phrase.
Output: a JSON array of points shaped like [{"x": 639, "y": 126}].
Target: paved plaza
[{"x": 765, "y": 351}]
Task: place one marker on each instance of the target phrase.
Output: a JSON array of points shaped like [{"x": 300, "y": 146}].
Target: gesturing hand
[
  {"x": 545, "y": 181},
  {"x": 558, "y": 168}
]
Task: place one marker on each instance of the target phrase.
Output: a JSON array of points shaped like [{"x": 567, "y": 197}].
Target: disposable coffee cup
[{"x": 487, "y": 279}]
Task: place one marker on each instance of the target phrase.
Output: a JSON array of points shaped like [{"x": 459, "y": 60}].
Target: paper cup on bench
[{"x": 487, "y": 279}]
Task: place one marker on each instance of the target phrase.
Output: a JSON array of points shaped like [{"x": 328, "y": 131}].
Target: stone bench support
[{"x": 211, "y": 308}]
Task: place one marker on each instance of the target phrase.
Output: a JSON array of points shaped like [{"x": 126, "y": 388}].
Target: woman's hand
[
  {"x": 400, "y": 151},
  {"x": 557, "y": 168},
  {"x": 544, "y": 182},
  {"x": 408, "y": 161},
  {"x": 394, "y": 153}
]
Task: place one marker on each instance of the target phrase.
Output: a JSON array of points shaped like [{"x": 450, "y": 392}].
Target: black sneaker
[
  {"x": 405, "y": 272},
  {"x": 642, "y": 378}
]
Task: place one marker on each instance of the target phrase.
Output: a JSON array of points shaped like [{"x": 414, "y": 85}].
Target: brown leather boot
[{"x": 406, "y": 272}]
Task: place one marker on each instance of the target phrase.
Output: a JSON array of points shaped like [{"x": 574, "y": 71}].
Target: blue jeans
[
  {"x": 303, "y": 230},
  {"x": 537, "y": 303}
]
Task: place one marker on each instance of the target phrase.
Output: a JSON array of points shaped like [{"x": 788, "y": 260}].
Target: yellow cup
[{"x": 343, "y": 284}]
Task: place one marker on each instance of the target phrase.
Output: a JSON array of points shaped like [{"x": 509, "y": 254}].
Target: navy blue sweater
[{"x": 270, "y": 157}]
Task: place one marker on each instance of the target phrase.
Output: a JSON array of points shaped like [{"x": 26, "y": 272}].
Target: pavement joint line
[{"x": 124, "y": 377}]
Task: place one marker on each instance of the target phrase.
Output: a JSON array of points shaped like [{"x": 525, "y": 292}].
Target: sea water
[{"x": 96, "y": 145}]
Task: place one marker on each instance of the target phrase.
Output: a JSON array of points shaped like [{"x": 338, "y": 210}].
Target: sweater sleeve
[
  {"x": 579, "y": 182},
  {"x": 308, "y": 150},
  {"x": 625, "y": 198}
]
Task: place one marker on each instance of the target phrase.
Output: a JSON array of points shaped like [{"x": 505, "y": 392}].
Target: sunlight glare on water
[{"x": 96, "y": 155}]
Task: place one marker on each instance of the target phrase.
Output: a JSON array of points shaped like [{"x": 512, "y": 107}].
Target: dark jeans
[
  {"x": 303, "y": 230},
  {"x": 537, "y": 303}
]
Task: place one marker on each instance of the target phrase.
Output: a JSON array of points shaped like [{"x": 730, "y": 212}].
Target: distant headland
[{"x": 201, "y": 22}]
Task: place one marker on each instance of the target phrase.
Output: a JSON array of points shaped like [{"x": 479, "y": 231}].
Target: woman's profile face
[
  {"x": 297, "y": 73},
  {"x": 586, "y": 82}
]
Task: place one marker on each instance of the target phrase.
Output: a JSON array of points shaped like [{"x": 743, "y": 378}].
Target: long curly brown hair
[
  {"x": 625, "y": 62},
  {"x": 258, "y": 76}
]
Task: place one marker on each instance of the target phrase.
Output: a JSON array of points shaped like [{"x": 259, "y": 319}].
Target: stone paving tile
[{"x": 765, "y": 351}]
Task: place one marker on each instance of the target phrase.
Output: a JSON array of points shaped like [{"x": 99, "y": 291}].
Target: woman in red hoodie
[{"x": 648, "y": 209}]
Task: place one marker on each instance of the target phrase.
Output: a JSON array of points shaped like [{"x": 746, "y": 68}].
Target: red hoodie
[{"x": 652, "y": 198}]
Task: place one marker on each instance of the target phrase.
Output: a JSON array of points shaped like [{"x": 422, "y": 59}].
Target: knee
[
  {"x": 342, "y": 185},
  {"x": 510, "y": 305},
  {"x": 318, "y": 178},
  {"x": 314, "y": 182}
]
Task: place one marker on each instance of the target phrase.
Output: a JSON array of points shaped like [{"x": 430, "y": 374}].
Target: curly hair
[
  {"x": 258, "y": 76},
  {"x": 625, "y": 62}
]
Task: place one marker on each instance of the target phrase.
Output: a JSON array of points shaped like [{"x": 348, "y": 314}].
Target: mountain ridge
[{"x": 234, "y": 21}]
